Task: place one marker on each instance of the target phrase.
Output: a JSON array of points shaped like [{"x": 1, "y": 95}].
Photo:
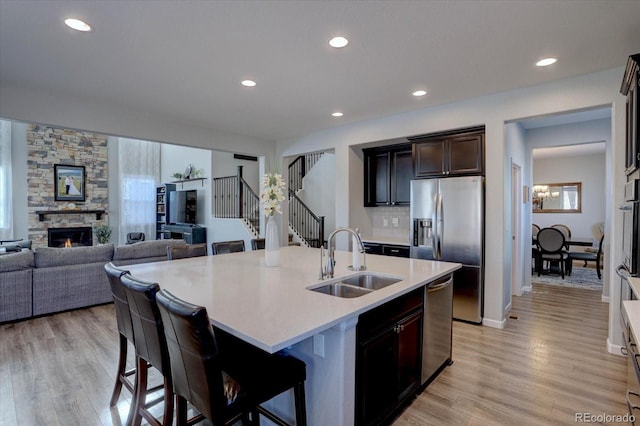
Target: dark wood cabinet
[
  {"x": 388, "y": 357},
  {"x": 629, "y": 88},
  {"x": 397, "y": 250},
  {"x": 448, "y": 155},
  {"x": 387, "y": 175}
]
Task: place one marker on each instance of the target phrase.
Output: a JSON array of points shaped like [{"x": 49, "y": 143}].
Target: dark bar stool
[
  {"x": 224, "y": 381},
  {"x": 224, "y": 247},
  {"x": 123, "y": 318},
  {"x": 257, "y": 244},
  {"x": 151, "y": 348},
  {"x": 182, "y": 251}
]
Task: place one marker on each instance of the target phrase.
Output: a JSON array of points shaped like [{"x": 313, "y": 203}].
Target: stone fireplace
[{"x": 70, "y": 237}]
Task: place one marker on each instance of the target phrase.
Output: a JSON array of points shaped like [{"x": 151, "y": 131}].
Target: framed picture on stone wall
[{"x": 69, "y": 182}]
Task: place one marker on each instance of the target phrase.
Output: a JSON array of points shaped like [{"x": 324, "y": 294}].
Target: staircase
[
  {"x": 303, "y": 222},
  {"x": 234, "y": 198}
]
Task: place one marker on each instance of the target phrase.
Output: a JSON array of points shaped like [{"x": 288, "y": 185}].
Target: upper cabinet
[
  {"x": 629, "y": 88},
  {"x": 449, "y": 155},
  {"x": 387, "y": 176}
]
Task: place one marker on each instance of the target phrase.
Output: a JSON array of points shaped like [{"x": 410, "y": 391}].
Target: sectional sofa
[{"x": 49, "y": 280}]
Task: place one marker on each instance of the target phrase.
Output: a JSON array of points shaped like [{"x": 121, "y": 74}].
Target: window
[{"x": 139, "y": 171}]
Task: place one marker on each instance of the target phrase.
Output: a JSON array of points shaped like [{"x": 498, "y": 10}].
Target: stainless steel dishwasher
[{"x": 436, "y": 341}]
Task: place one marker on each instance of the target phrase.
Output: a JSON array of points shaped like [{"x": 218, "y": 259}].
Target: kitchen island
[{"x": 273, "y": 309}]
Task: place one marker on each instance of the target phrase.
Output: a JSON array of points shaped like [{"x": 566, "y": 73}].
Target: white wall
[
  {"x": 590, "y": 171},
  {"x": 32, "y": 105},
  {"x": 586, "y": 91},
  {"x": 318, "y": 190},
  {"x": 515, "y": 152},
  {"x": 19, "y": 180},
  {"x": 223, "y": 164}
]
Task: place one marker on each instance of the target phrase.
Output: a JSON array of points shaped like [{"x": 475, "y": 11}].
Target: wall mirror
[{"x": 557, "y": 197}]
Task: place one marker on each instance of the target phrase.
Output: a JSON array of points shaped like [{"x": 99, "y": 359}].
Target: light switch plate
[
  {"x": 385, "y": 222},
  {"x": 395, "y": 221}
]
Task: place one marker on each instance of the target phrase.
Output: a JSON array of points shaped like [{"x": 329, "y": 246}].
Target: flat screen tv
[{"x": 183, "y": 207}]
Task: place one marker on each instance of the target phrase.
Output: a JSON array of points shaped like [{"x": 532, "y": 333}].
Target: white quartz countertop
[
  {"x": 271, "y": 307},
  {"x": 634, "y": 283}
]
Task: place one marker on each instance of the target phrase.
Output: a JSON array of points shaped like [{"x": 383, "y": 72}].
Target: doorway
[{"x": 516, "y": 230}]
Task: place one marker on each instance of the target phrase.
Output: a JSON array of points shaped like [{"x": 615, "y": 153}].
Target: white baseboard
[
  {"x": 493, "y": 323},
  {"x": 507, "y": 308},
  {"x": 614, "y": 349},
  {"x": 527, "y": 289},
  {"x": 605, "y": 299}
]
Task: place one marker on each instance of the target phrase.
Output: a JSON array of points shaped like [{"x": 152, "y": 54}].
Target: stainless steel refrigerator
[{"x": 447, "y": 223}]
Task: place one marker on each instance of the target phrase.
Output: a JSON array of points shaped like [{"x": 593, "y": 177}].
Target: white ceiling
[
  {"x": 569, "y": 150},
  {"x": 184, "y": 60}
]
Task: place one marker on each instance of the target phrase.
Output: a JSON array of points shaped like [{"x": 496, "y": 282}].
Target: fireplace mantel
[{"x": 42, "y": 213}]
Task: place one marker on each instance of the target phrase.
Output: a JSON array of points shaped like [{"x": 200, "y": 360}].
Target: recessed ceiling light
[
  {"x": 248, "y": 83},
  {"x": 77, "y": 24},
  {"x": 337, "y": 114},
  {"x": 338, "y": 42},
  {"x": 546, "y": 62},
  {"x": 419, "y": 93}
]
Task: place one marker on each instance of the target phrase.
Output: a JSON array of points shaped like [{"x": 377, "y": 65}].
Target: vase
[{"x": 271, "y": 243}]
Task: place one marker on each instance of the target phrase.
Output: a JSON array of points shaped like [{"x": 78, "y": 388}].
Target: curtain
[
  {"x": 139, "y": 171},
  {"x": 6, "y": 194}
]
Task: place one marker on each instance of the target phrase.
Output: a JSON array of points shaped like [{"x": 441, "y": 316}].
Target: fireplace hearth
[{"x": 70, "y": 237}]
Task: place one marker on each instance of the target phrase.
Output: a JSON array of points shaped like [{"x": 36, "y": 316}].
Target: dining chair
[
  {"x": 224, "y": 381},
  {"x": 224, "y": 247},
  {"x": 151, "y": 350},
  {"x": 551, "y": 244},
  {"x": 534, "y": 249},
  {"x": 135, "y": 237},
  {"x": 257, "y": 244},
  {"x": 182, "y": 251},
  {"x": 588, "y": 257},
  {"x": 566, "y": 231}
]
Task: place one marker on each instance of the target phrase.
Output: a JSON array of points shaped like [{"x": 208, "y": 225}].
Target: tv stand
[{"x": 192, "y": 234}]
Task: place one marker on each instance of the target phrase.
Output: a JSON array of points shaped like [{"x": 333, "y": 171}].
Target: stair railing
[
  {"x": 300, "y": 167},
  {"x": 309, "y": 226},
  {"x": 234, "y": 198}
]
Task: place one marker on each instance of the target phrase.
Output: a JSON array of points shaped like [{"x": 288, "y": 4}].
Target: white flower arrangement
[{"x": 272, "y": 193}]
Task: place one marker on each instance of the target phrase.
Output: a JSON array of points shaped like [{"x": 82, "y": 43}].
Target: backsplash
[{"x": 389, "y": 224}]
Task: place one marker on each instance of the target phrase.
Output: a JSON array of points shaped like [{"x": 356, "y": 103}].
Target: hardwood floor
[{"x": 541, "y": 369}]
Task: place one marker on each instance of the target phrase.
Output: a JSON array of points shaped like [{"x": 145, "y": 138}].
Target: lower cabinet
[{"x": 388, "y": 357}]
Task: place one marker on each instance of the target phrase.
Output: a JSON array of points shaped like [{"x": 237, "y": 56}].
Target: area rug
[{"x": 580, "y": 277}]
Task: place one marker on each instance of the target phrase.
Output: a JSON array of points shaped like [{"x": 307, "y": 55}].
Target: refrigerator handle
[
  {"x": 437, "y": 237},
  {"x": 441, "y": 224},
  {"x": 434, "y": 233}
]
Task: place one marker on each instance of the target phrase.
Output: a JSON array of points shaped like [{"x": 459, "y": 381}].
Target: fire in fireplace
[{"x": 70, "y": 237}]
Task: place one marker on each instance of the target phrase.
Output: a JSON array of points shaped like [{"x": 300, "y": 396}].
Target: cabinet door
[
  {"x": 409, "y": 354},
  {"x": 429, "y": 158},
  {"x": 396, "y": 250},
  {"x": 377, "y": 173},
  {"x": 633, "y": 117},
  {"x": 465, "y": 155},
  {"x": 401, "y": 175},
  {"x": 377, "y": 378}
]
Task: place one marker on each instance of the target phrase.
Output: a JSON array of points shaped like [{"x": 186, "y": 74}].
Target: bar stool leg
[
  {"x": 122, "y": 364},
  {"x": 140, "y": 392},
  {"x": 301, "y": 410}
]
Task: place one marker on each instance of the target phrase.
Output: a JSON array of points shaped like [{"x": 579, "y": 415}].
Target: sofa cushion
[
  {"x": 144, "y": 249},
  {"x": 16, "y": 261},
  {"x": 55, "y": 256}
]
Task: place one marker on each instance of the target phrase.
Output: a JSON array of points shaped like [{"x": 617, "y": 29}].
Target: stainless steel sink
[
  {"x": 341, "y": 290},
  {"x": 356, "y": 285},
  {"x": 369, "y": 281}
]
